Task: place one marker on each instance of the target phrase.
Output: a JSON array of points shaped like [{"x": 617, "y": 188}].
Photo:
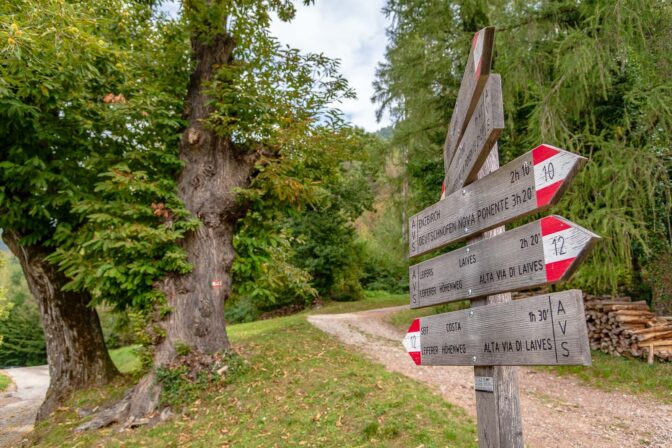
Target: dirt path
[
  {"x": 557, "y": 411},
  {"x": 18, "y": 406}
]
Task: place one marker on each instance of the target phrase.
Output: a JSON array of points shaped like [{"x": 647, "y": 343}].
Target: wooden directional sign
[
  {"x": 540, "y": 330},
  {"x": 496, "y": 333},
  {"x": 542, "y": 252},
  {"x": 528, "y": 184},
  {"x": 485, "y": 126},
  {"x": 473, "y": 82}
]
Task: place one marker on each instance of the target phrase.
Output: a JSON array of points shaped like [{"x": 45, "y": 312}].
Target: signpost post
[
  {"x": 480, "y": 135},
  {"x": 473, "y": 82},
  {"x": 496, "y": 333}
]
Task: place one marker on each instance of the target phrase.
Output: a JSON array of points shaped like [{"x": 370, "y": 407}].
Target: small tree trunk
[{"x": 76, "y": 349}]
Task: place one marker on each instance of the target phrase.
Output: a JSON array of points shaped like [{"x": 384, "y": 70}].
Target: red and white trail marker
[
  {"x": 563, "y": 242},
  {"x": 536, "y": 254},
  {"x": 411, "y": 342},
  {"x": 548, "y": 329},
  {"x": 552, "y": 168},
  {"x": 477, "y": 48},
  {"x": 529, "y": 184},
  {"x": 216, "y": 283}
]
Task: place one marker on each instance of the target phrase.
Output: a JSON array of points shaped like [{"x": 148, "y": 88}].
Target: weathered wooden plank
[
  {"x": 539, "y": 253},
  {"x": 541, "y": 330},
  {"x": 473, "y": 81},
  {"x": 485, "y": 126},
  {"x": 529, "y": 184}
]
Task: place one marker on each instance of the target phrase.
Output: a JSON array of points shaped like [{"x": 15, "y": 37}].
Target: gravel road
[
  {"x": 19, "y": 405},
  {"x": 557, "y": 411}
]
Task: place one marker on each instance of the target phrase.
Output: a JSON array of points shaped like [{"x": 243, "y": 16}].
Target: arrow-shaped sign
[
  {"x": 540, "y": 330},
  {"x": 483, "y": 129},
  {"x": 528, "y": 184},
  {"x": 542, "y": 252},
  {"x": 473, "y": 81}
]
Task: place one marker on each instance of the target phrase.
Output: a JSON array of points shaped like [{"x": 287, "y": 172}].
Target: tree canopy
[{"x": 90, "y": 118}]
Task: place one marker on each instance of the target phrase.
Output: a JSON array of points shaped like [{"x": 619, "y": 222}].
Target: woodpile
[{"x": 624, "y": 328}]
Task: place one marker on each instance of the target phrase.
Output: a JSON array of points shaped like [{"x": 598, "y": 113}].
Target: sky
[{"x": 350, "y": 30}]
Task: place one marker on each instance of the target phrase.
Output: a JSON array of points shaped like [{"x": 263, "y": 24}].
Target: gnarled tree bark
[
  {"x": 76, "y": 349},
  {"x": 214, "y": 168}
]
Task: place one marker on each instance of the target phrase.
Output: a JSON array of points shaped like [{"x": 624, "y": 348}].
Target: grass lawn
[
  {"x": 300, "y": 388},
  {"x": 125, "y": 358},
  {"x": 607, "y": 372},
  {"x": 5, "y": 381},
  {"x": 371, "y": 301},
  {"x": 626, "y": 374}
]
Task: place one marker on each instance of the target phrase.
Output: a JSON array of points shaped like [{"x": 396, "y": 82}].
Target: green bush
[
  {"x": 385, "y": 249},
  {"x": 23, "y": 338},
  {"x": 21, "y": 329},
  {"x": 117, "y": 328},
  {"x": 660, "y": 278},
  {"x": 330, "y": 253},
  {"x": 241, "y": 310}
]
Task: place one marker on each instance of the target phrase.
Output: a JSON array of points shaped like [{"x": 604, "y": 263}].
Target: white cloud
[{"x": 350, "y": 30}]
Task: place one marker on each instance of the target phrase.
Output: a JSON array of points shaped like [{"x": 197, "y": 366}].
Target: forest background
[{"x": 326, "y": 214}]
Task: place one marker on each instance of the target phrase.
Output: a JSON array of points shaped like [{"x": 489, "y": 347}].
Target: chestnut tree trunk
[
  {"x": 76, "y": 349},
  {"x": 213, "y": 169}
]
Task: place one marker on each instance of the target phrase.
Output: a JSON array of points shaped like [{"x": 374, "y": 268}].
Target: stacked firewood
[{"x": 625, "y": 328}]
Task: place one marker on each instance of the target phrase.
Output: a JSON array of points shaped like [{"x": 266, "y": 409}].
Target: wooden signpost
[
  {"x": 496, "y": 333},
  {"x": 536, "y": 254},
  {"x": 541, "y": 330},
  {"x": 529, "y": 184}
]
